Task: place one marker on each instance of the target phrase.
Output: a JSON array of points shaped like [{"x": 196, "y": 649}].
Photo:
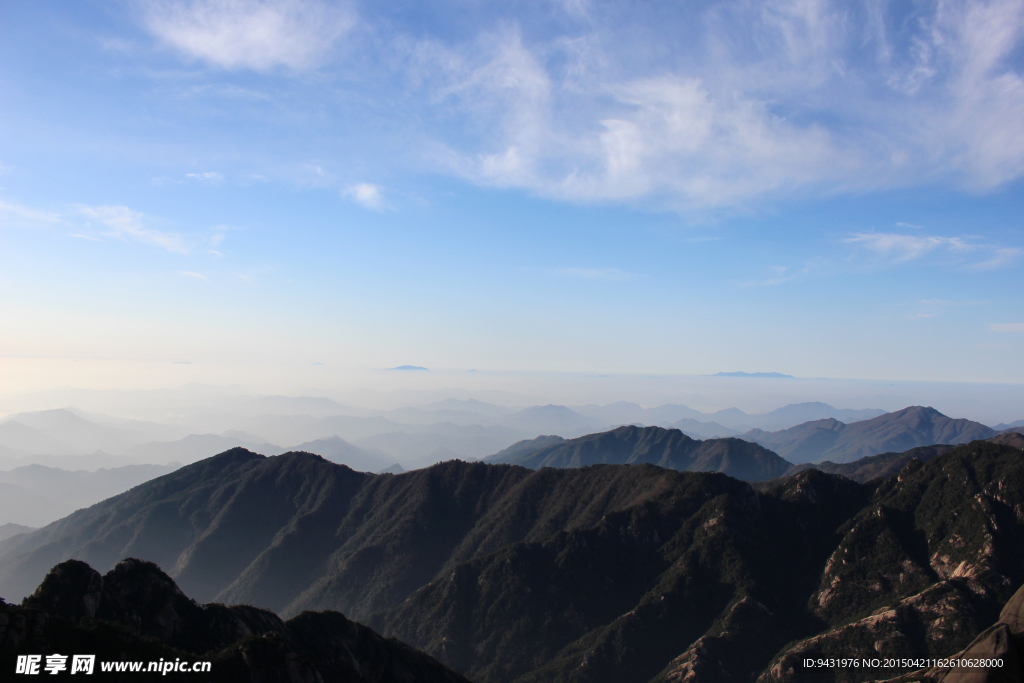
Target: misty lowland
[{"x": 461, "y": 540}]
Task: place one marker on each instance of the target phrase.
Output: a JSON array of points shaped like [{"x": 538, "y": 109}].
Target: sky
[{"x": 285, "y": 193}]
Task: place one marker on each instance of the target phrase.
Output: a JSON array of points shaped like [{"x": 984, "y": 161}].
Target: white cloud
[
  {"x": 198, "y": 276},
  {"x": 759, "y": 100},
  {"x": 123, "y": 223},
  {"x": 367, "y": 195},
  {"x": 1007, "y": 327},
  {"x": 252, "y": 34},
  {"x": 721, "y": 105},
  {"x": 212, "y": 177}
]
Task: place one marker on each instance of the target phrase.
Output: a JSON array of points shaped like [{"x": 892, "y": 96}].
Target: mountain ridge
[
  {"x": 838, "y": 442},
  {"x": 507, "y": 573},
  {"x": 669, "y": 448}
]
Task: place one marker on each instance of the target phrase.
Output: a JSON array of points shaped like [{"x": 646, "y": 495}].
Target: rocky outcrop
[
  {"x": 137, "y": 613},
  {"x": 726, "y": 656},
  {"x": 1003, "y": 641},
  {"x": 139, "y": 596}
]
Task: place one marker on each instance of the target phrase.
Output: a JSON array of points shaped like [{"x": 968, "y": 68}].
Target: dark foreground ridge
[
  {"x": 137, "y": 613},
  {"x": 597, "y": 574}
]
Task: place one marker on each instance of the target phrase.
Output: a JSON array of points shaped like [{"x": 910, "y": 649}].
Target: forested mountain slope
[{"x": 600, "y": 573}]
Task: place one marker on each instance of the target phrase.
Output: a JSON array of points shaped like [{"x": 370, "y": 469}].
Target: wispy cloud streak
[{"x": 123, "y": 223}]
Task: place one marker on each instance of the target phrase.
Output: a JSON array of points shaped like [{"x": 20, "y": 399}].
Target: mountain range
[
  {"x": 838, "y": 442},
  {"x": 617, "y": 573},
  {"x": 415, "y": 436},
  {"x": 726, "y": 422},
  {"x": 35, "y": 495},
  {"x": 630, "y": 445}
]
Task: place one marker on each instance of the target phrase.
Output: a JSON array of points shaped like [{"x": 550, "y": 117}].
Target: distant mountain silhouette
[
  {"x": 838, "y": 442},
  {"x": 711, "y": 425},
  {"x": 338, "y": 450},
  {"x": 551, "y": 419},
  {"x": 773, "y": 375},
  {"x": 668, "y": 448},
  {"x": 888, "y": 464},
  {"x": 796, "y": 413},
  {"x": 703, "y": 430},
  {"x": 36, "y": 495},
  {"x": 525, "y": 447},
  {"x": 76, "y": 434},
  {"x": 20, "y": 439},
  {"x": 416, "y": 446},
  {"x": 10, "y": 529},
  {"x": 591, "y": 574},
  {"x": 195, "y": 447}
]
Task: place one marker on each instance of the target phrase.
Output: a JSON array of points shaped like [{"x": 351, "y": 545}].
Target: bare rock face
[
  {"x": 1003, "y": 641},
  {"x": 1013, "y": 613},
  {"x": 942, "y": 613},
  {"x": 994, "y": 643},
  {"x": 724, "y": 657}
]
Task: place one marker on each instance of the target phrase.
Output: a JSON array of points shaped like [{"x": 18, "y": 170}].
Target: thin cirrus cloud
[
  {"x": 1002, "y": 257},
  {"x": 745, "y": 100},
  {"x": 250, "y": 34},
  {"x": 120, "y": 222},
  {"x": 811, "y": 98},
  {"x": 902, "y": 248}
]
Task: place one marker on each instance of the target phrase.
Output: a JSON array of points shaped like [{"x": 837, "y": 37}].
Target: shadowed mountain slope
[
  {"x": 839, "y": 442},
  {"x": 137, "y": 613},
  {"x": 888, "y": 464},
  {"x": 874, "y": 466},
  {"x": 714, "y": 574},
  {"x": 524, "y": 447},
  {"x": 668, "y": 448},
  {"x": 604, "y": 573}
]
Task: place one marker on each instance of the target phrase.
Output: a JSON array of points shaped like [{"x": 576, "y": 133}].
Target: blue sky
[{"x": 819, "y": 189}]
